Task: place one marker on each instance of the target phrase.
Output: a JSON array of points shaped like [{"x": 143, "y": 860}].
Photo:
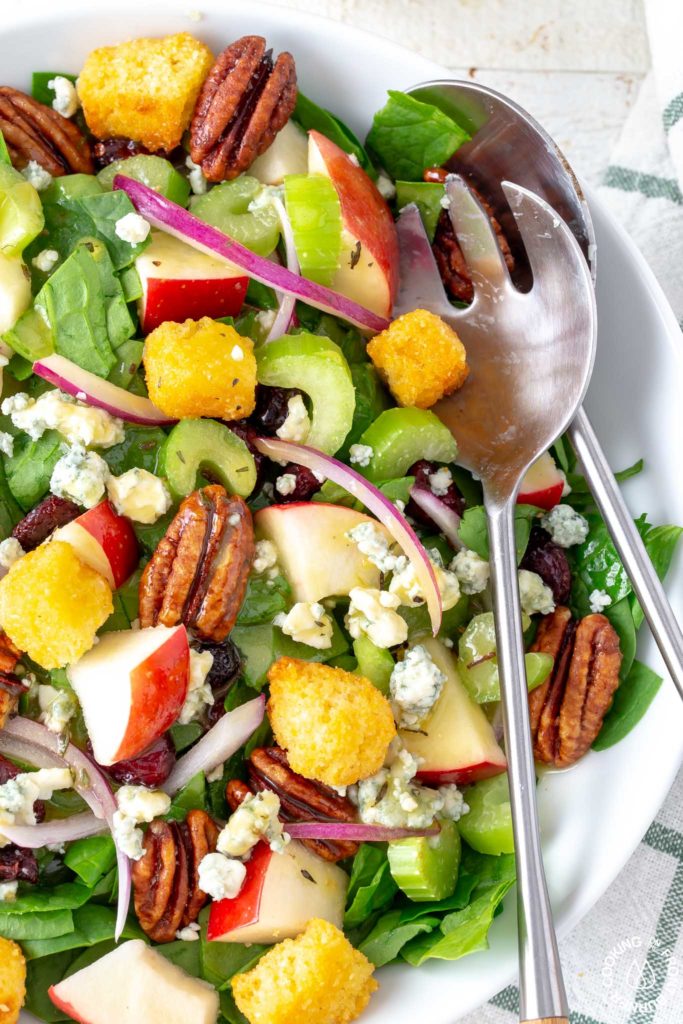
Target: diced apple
[
  {"x": 131, "y": 687},
  {"x": 103, "y": 540},
  {"x": 287, "y": 154},
  {"x": 132, "y": 984},
  {"x": 369, "y": 267},
  {"x": 180, "y": 283},
  {"x": 281, "y": 893},
  {"x": 456, "y": 743},
  {"x": 315, "y": 555},
  {"x": 543, "y": 483},
  {"x": 15, "y": 290}
]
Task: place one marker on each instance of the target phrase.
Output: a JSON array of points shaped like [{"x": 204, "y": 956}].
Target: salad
[{"x": 250, "y": 734}]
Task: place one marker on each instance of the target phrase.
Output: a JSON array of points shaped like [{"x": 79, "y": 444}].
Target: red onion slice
[
  {"x": 93, "y": 786},
  {"x": 61, "y": 830},
  {"x": 374, "y": 500},
  {"x": 168, "y": 216},
  {"x": 445, "y": 518},
  {"x": 93, "y": 390},
  {"x": 287, "y": 302},
  {"x": 221, "y": 741},
  {"x": 354, "y": 831},
  {"x": 28, "y": 752}
]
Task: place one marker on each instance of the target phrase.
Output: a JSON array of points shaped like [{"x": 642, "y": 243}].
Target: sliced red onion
[
  {"x": 221, "y": 741},
  {"x": 93, "y": 786},
  {"x": 354, "y": 831},
  {"x": 61, "y": 830},
  {"x": 374, "y": 500},
  {"x": 287, "y": 302},
  {"x": 445, "y": 518},
  {"x": 93, "y": 390},
  {"x": 28, "y": 753},
  {"x": 164, "y": 214}
]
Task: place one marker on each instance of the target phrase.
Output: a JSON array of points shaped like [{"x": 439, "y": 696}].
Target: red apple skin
[
  {"x": 460, "y": 776},
  {"x": 226, "y": 915},
  {"x": 158, "y": 691},
  {"x": 547, "y": 498},
  {"x": 66, "y": 1007},
  {"x": 116, "y": 537},
  {"x": 168, "y": 299},
  {"x": 364, "y": 210}
]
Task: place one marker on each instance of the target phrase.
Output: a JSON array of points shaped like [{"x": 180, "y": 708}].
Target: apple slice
[
  {"x": 287, "y": 154},
  {"x": 369, "y": 267},
  {"x": 543, "y": 483},
  {"x": 103, "y": 540},
  {"x": 134, "y": 983},
  {"x": 314, "y": 553},
  {"x": 456, "y": 743},
  {"x": 131, "y": 687},
  {"x": 179, "y": 282},
  {"x": 281, "y": 893}
]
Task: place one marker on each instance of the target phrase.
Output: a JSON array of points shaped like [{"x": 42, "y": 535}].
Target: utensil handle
[
  {"x": 548, "y": 1020},
  {"x": 542, "y": 993},
  {"x": 629, "y": 544}
]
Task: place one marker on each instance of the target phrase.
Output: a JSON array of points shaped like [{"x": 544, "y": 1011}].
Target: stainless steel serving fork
[{"x": 530, "y": 356}]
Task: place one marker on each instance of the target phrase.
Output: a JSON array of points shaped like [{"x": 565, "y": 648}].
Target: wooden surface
[{"x": 575, "y": 66}]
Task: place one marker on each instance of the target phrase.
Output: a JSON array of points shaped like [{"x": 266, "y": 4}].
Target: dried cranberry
[
  {"x": 215, "y": 712},
  {"x": 151, "y": 768},
  {"x": 8, "y": 770},
  {"x": 226, "y": 664},
  {"x": 120, "y": 148},
  {"x": 272, "y": 408},
  {"x": 18, "y": 865},
  {"x": 550, "y": 562},
  {"x": 305, "y": 486},
  {"x": 452, "y": 499},
  {"x": 248, "y": 434},
  {"x": 39, "y": 523}
]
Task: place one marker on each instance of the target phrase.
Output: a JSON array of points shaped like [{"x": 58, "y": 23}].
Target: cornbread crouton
[
  {"x": 318, "y": 977},
  {"x": 335, "y": 726},
  {"x": 52, "y": 604},
  {"x": 200, "y": 368},
  {"x": 12, "y": 981},
  {"x": 420, "y": 359},
  {"x": 144, "y": 89}
]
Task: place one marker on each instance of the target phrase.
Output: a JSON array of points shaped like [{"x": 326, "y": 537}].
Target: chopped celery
[
  {"x": 400, "y": 437},
  {"x": 375, "y": 663},
  {"x": 21, "y": 212},
  {"x": 426, "y": 867},
  {"x": 228, "y": 207},
  {"x": 487, "y": 827},
  {"x": 195, "y": 445},
  {"x": 315, "y": 215},
  {"x": 153, "y": 171},
  {"x": 478, "y": 666}
]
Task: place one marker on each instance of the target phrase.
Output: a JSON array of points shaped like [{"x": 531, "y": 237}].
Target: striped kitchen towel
[{"x": 624, "y": 963}]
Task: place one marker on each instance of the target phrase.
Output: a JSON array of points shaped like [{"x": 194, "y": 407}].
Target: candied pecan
[
  {"x": 301, "y": 799},
  {"x": 244, "y": 102},
  {"x": 199, "y": 571},
  {"x": 567, "y": 711},
  {"x": 34, "y": 131},
  {"x": 41, "y": 521},
  {"x": 166, "y": 878},
  {"x": 11, "y": 686},
  {"x": 452, "y": 266}
]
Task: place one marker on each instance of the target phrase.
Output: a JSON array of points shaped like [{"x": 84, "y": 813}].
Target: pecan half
[
  {"x": 11, "y": 686},
  {"x": 166, "y": 878},
  {"x": 567, "y": 711},
  {"x": 301, "y": 799},
  {"x": 34, "y": 131},
  {"x": 244, "y": 102},
  {"x": 198, "y": 573},
  {"x": 452, "y": 266}
]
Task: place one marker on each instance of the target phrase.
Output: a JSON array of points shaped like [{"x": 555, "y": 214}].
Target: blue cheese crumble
[
  {"x": 415, "y": 686},
  {"x": 373, "y": 612},
  {"x": 255, "y": 819},
  {"x": 76, "y": 422},
  {"x": 297, "y": 425},
  {"x": 472, "y": 570},
  {"x": 80, "y": 476},
  {"x": 598, "y": 601},
  {"x": 566, "y": 526},
  {"x": 307, "y": 623}
]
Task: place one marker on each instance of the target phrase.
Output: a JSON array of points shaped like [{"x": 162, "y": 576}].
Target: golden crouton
[
  {"x": 52, "y": 604},
  {"x": 200, "y": 368},
  {"x": 335, "y": 726},
  {"x": 144, "y": 89},
  {"x": 12, "y": 981},
  {"x": 318, "y": 978},
  {"x": 420, "y": 359}
]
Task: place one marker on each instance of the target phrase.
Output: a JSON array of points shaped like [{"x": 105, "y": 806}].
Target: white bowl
[{"x": 594, "y": 815}]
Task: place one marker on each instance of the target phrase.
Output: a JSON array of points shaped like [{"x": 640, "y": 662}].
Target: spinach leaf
[
  {"x": 390, "y": 935},
  {"x": 263, "y": 600},
  {"x": 371, "y": 886},
  {"x": 191, "y": 797},
  {"x": 408, "y": 135},
  {"x": 87, "y": 956},
  {"x": 631, "y": 701},
  {"x": 660, "y": 544},
  {"x": 398, "y": 489},
  {"x": 4, "y": 152},
  {"x": 220, "y": 961},
  {"x": 90, "y": 925},
  {"x": 30, "y": 468},
  {"x": 310, "y": 116},
  {"x": 39, "y": 900},
  {"x": 184, "y": 736},
  {"x": 10, "y": 512},
  {"x": 256, "y": 646},
  {"x": 39, "y": 926},
  {"x": 597, "y": 566},
  {"x": 40, "y": 975},
  {"x": 473, "y": 531},
  {"x": 427, "y": 196},
  {"x": 91, "y": 858},
  {"x": 285, "y": 647},
  {"x": 41, "y": 91},
  {"x": 185, "y": 955},
  {"x": 260, "y": 295},
  {"x": 621, "y": 617},
  {"x": 138, "y": 450},
  {"x": 371, "y": 400}
]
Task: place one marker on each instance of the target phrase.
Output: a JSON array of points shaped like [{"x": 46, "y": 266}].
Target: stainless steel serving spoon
[
  {"x": 530, "y": 356},
  {"x": 509, "y": 145}
]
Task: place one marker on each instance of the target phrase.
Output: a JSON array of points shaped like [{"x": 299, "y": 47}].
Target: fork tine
[
  {"x": 420, "y": 279},
  {"x": 476, "y": 237}
]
